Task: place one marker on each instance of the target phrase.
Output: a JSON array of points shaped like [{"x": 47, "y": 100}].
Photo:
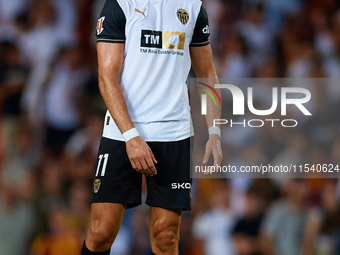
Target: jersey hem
[{"x": 150, "y": 140}]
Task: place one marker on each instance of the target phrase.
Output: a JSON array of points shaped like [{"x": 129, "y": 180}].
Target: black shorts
[{"x": 115, "y": 181}]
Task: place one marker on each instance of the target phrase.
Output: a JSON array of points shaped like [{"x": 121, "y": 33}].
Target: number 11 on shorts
[{"x": 101, "y": 156}]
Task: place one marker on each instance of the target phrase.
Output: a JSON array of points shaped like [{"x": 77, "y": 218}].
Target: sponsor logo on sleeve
[
  {"x": 100, "y": 28},
  {"x": 206, "y": 30}
]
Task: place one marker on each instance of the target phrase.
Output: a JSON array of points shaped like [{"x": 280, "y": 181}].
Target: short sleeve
[
  {"x": 201, "y": 30},
  {"x": 111, "y": 24}
]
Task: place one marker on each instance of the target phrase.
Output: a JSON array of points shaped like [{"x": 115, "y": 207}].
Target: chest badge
[{"x": 183, "y": 16}]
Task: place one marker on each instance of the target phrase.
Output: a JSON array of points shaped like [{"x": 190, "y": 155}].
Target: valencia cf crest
[
  {"x": 96, "y": 185},
  {"x": 183, "y": 16}
]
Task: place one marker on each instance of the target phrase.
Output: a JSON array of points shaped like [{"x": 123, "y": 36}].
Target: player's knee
[
  {"x": 99, "y": 239},
  {"x": 166, "y": 238}
]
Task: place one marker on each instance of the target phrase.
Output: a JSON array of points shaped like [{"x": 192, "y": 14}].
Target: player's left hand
[{"x": 213, "y": 147}]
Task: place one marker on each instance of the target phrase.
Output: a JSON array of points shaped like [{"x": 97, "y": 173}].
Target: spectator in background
[
  {"x": 140, "y": 231},
  {"x": 83, "y": 145},
  {"x": 9, "y": 10},
  {"x": 257, "y": 35},
  {"x": 335, "y": 151},
  {"x": 13, "y": 76},
  {"x": 293, "y": 153},
  {"x": 216, "y": 7},
  {"x": 60, "y": 238},
  {"x": 22, "y": 159},
  {"x": 212, "y": 230},
  {"x": 17, "y": 221},
  {"x": 323, "y": 126},
  {"x": 283, "y": 226},
  {"x": 48, "y": 192},
  {"x": 234, "y": 62},
  {"x": 20, "y": 156},
  {"x": 278, "y": 11},
  {"x": 322, "y": 235},
  {"x": 245, "y": 234},
  {"x": 65, "y": 22},
  {"x": 78, "y": 206},
  {"x": 63, "y": 96},
  {"x": 49, "y": 26},
  {"x": 38, "y": 44}
]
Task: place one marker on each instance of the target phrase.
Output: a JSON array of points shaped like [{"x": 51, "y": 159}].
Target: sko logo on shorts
[{"x": 183, "y": 185}]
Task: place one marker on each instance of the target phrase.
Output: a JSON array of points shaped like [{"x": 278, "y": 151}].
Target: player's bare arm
[
  {"x": 202, "y": 63},
  {"x": 110, "y": 61}
]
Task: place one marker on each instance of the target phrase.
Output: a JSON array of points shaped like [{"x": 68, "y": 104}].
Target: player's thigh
[
  {"x": 106, "y": 219},
  {"x": 164, "y": 221}
]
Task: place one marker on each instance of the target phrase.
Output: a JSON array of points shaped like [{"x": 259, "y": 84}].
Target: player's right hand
[{"x": 141, "y": 156}]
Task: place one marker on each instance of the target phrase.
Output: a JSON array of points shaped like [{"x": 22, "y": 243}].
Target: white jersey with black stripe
[{"x": 157, "y": 37}]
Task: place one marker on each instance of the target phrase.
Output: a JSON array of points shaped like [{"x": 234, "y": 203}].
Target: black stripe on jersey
[
  {"x": 112, "y": 28},
  {"x": 201, "y": 30}
]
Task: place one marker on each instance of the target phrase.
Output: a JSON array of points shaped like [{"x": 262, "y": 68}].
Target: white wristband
[
  {"x": 132, "y": 133},
  {"x": 215, "y": 130}
]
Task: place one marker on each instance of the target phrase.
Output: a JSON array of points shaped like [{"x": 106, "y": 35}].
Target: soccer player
[{"x": 145, "y": 51}]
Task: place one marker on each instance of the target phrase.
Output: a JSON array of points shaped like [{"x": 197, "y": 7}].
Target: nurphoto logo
[{"x": 239, "y": 102}]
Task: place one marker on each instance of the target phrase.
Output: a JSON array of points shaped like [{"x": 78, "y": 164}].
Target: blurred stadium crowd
[{"x": 51, "y": 118}]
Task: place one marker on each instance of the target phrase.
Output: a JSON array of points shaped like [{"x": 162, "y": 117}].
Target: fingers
[
  {"x": 141, "y": 156},
  {"x": 144, "y": 165},
  {"x": 213, "y": 148},
  {"x": 133, "y": 164},
  {"x": 146, "y": 168},
  {"x": 207, "y": 155},
  {"x": 147, "y": 163},
  {"x": 152, "y": 156},
  {"x": 151, "y": 165},
  {"x": 206, "y": 158},
  {"x": 217, "y": 158},
  {"x": 137, "y": 166},
  {"x": 217, "y": 153}
]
